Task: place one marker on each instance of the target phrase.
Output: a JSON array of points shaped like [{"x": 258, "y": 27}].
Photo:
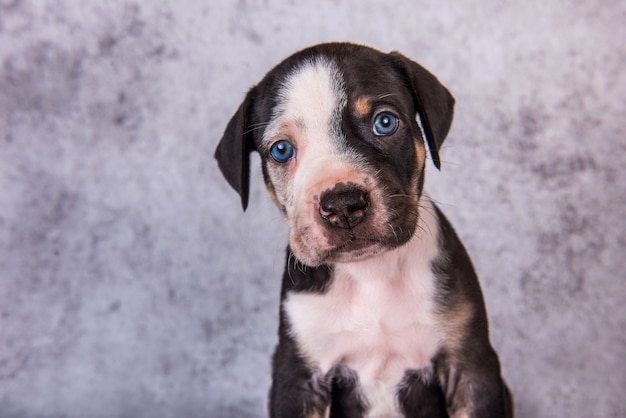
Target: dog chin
[
  {"x": 357, "y": 255},
  {"x": 349, "y": 252}
]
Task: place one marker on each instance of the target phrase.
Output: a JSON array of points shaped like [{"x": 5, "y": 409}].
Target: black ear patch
[
  {"x": 434, "y": 103},
  {"x": 233, "y": 150}
]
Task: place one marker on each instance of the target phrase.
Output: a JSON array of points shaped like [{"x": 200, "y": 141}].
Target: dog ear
[
  {"x": 434, "y": 103},
  {"x": 233, "y": 151}
]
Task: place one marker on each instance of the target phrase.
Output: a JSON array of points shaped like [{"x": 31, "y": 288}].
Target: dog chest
[
  {"x": 366, "y": 323},
  {"x": 377, "y": 318}
]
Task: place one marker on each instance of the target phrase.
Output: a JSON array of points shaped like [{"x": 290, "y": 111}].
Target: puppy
[{"x": 381, "y": 312}]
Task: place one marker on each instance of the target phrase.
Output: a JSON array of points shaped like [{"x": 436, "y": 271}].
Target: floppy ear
[
  {"x": 434, "y": 103},
  {"x": 233, "y": 150}
]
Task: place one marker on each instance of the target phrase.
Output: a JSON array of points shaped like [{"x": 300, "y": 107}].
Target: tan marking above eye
[
  {"x": 363, "y": 106},
  {"x": 420, "y": 151}
]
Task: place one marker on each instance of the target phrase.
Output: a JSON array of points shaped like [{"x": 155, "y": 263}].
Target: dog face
[{"x": 340, "y": 129}]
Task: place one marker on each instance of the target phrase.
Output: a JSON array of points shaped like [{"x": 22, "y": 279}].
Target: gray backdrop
[{"x": 131, "y": 283}]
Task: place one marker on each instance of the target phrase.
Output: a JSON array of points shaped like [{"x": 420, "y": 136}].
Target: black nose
[{"x": 344, "y": 207}]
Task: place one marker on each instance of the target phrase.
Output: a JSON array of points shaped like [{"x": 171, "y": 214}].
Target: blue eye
[
  {"x": 385, "y": 124},
  {"x": 282, "y": 151}
]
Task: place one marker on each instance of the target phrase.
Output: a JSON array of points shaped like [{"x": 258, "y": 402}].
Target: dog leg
[
  {"x": 421, "y": 396},
  {"x": 296, "y": 391},
  {"x": 475, "y": 389}
]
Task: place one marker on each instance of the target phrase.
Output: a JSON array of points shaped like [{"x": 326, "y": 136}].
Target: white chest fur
[{"x": 377, "y": 317}]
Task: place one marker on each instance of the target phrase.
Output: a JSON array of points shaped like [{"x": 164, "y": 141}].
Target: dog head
[{"x": 341, "y": 131}]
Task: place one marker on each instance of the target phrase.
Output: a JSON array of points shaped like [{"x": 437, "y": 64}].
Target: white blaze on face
[
  {"x": 314, "y": 94},
  {"x": 308, "y": 114}
]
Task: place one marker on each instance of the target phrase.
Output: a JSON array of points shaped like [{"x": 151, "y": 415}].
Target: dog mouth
[
  {"x": 346, "y": 246},
  {"x": 352, "y": 246},
  {"x": 352, "y": 249},
  {"x": 369, "y": 222}
]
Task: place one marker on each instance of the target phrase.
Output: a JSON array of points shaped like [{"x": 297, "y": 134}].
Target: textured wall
[{"x": 131, "y": 285}]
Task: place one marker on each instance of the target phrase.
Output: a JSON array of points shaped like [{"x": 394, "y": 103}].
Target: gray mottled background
[{"x": 132, "y": 285}]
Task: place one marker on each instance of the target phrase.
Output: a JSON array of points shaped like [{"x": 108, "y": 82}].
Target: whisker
[
  {"x": 403, "y": 195},
  {"x": 254, "y": 127},
  {"x": 289, "y": 258},
  {"x": 395, "y": 234},
  {"x": 302, "y": 267}
]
